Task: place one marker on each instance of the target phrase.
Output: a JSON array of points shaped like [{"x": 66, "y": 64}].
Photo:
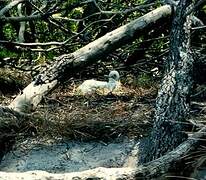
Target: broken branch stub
[{"x": 53, "y": 75}]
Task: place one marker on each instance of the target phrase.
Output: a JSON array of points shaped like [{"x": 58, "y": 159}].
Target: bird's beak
[{"x": 106, "y": 76}]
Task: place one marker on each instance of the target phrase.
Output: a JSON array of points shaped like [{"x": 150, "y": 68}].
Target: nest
[{"x": 96, "y": 117}]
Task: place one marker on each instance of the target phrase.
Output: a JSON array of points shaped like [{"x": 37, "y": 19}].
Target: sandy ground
[{"x": 69, "y": 156}]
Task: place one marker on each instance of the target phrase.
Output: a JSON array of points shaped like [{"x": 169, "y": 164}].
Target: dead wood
[
  {"x": 149, "y": 170},
  {"x": 51, "y": 77},
  {"x": 65, "y": 64}
]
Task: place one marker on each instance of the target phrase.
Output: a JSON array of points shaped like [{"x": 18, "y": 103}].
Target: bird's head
[{"x": 114, "y": 75}]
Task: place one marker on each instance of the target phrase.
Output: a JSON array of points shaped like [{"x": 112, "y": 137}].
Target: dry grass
[
  {"x": 102, "y": 117},
  {"x": 66, "y": 114},
  {"x": 12, "y": 81}
]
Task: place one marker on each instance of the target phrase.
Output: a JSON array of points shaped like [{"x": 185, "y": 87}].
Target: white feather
[{"x": 90, "y": 86}]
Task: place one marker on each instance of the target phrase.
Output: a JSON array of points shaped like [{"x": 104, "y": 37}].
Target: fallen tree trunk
[
  {"x": 11, "y": 121},
  {"x": 150, "y": 170},
  {"x": 65, "y": 64},
  {"x": 51, "y": 77}
]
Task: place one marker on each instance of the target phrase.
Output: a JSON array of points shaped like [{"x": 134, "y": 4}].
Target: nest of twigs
[{"x": 96, "y": 117}]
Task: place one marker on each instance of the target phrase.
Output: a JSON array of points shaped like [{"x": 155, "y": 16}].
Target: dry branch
[
  {"x": 45, "y": 82},
  {"x": 92, "y": 52},
  {"x": 10, "y": 6},
  {"x": 150, "y": 170}
]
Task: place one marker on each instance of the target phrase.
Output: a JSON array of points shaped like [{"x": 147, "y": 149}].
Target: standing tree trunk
[
  {"x": 22, "y": 27},
  {"x": 172, "y": 103}
]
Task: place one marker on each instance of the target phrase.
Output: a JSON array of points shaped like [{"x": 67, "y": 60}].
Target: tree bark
[
  {"x": 150, "y": 170},
  {"x": 65, "y": 64},
  {"x": 172, "y": 103}
]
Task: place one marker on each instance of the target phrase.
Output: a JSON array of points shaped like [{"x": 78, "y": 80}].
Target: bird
[{"x": 90, "y": 86}]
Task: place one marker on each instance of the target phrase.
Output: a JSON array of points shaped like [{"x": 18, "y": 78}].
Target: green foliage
[
  {"x": 78, "y": 23},
  {"x": 9, "y": 32},
  {"x": 6, "y": 53},
  {"x": 51, "y": 55},
  {"x": 77, "y": 12},
  {"x": 160, "y": 44},
  {"x": 144, "y": 80},
  {"x": 73, "y": 27},
  {"x": 204, "y": 8}
]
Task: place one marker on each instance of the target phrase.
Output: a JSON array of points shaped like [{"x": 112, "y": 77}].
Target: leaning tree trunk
[
  {"x": 14, "y": 117},
  {"x": 172, "y": 103},
  {"x": 65, "y": 64}
]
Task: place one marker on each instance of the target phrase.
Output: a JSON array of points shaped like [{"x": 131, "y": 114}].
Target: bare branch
[
  {"x": 196, "y": 21},
  {"x": 195, "y": 7},
  {"x": 199, "y": 27},
  {"x": 150, "y": 170},
  {"x": 32, "y": 44},
  {"x": 10, "y": 6},
  {"x": 52, "y": 43},
  {"x": 24, "y": 18}
]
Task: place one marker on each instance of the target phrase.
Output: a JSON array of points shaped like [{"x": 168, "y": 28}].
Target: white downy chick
[{"x": 90, "y": 86}]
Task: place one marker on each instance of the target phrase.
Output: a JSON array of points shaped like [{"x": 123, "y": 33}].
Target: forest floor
[
  {"x": 69, "y": 132},
  {"x": 98, "y": 116},
  {"x": 64, "y": 113}
]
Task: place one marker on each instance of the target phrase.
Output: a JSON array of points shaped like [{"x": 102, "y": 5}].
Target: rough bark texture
[
  {"x": 150, "y": 170},
  {"x": 172, "y": 104},
  {"x": 65, "y": 64}
]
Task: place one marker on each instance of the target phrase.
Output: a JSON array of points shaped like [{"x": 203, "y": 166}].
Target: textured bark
[
  {"x": 151, "y": 170},
  {"x": 172, "y": 103},
  {"x": 65, "y": 64}
]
